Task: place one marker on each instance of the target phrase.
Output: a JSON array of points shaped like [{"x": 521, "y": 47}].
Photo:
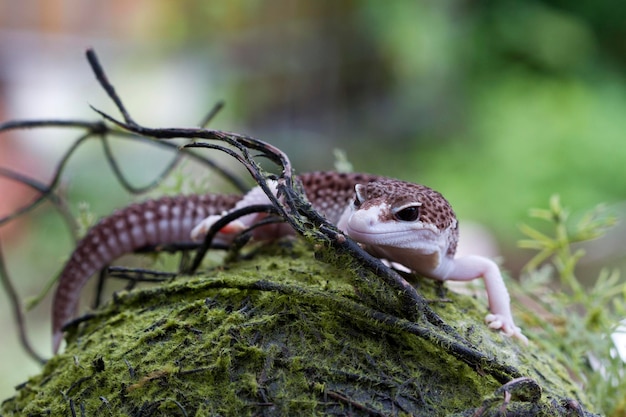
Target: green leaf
[{"x": 535, "y": 234}]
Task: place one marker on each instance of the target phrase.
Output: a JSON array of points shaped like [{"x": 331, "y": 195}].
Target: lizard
[{"x": 401, "y": 222}]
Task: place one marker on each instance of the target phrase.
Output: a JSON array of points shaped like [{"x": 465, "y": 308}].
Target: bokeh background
[{"x": 497, "y": 104}]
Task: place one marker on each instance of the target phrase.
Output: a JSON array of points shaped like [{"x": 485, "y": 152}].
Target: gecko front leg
[
  {"x": 415, "y": 226},
  {"x": 471, "y": 267}
]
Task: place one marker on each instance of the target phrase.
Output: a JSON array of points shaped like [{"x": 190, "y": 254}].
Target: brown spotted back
[{"x": 330, "y": 192}]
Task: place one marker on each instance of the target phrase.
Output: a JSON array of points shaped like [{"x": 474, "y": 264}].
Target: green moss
[{"x": 279, "y": 334}]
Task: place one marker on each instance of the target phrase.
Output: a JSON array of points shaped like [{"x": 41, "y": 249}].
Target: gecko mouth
[{"x": 396, "y": 238}]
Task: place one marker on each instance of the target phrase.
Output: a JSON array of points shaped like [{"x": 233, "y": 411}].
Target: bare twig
[
  {"x": 18, "y": 313},
  {"x": 46, "y": 192}
]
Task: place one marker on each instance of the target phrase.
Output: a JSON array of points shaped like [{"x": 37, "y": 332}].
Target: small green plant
[
  {"x": 342, "y": 163},
  {"x": 86, "y": 218},
  {"x": 183, "y": 180},
  {"x": 575, "y": 321}
]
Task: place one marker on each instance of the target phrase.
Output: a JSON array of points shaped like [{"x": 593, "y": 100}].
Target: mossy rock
[{"x": 283, "y": 334}]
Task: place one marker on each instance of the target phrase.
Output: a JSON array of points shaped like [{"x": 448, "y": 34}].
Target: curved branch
[
  {"x": 18, "y": 313},
  {"x": 46, "y": 193}
]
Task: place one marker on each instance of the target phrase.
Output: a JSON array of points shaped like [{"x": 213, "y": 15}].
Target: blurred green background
[{"x": 497, "y": 104}]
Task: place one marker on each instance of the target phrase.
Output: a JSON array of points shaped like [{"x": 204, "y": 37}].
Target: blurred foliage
[
  {"x": 498, "y": 104},
  {"x": 575, "y": 324},
  {"x": 558, "y": 248}
]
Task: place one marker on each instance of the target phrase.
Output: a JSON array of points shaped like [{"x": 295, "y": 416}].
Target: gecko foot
[
  {"x": 506, "y": 325},
  {"x": 203, "y": 227}
]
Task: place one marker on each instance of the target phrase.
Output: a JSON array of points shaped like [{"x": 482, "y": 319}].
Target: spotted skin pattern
[{"x": 370, "y": 209}]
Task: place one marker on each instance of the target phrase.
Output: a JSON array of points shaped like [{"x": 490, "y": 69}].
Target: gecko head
[{"x": 392, "y": 215}]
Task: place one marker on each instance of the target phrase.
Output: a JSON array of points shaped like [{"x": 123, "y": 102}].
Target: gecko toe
[
  {"x": 494, "y": 321},
  {"x": 506, "y": 326}
]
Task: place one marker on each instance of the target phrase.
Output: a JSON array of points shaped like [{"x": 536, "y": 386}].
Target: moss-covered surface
[{"x": 281, "y": 334}]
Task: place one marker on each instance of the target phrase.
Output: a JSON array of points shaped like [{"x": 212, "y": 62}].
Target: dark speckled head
[
  {"x": 330, "y": 192},
  {"x": 432, "y": 207}
]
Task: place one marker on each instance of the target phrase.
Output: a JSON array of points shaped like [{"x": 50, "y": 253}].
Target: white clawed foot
[
  {"x": 506, "y": 325},
  {"x": 203, "y": 227}
]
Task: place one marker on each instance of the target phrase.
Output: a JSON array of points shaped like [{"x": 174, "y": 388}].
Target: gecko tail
[{"x": 162, "y": 221}]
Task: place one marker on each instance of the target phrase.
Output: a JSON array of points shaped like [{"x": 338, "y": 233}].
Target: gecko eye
[
  {"x": 358, "y": 195},
  {"x": 408, "y": 214}
]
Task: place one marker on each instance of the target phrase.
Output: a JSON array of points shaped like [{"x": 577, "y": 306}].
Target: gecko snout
[{"x": 364, "y": 220}]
